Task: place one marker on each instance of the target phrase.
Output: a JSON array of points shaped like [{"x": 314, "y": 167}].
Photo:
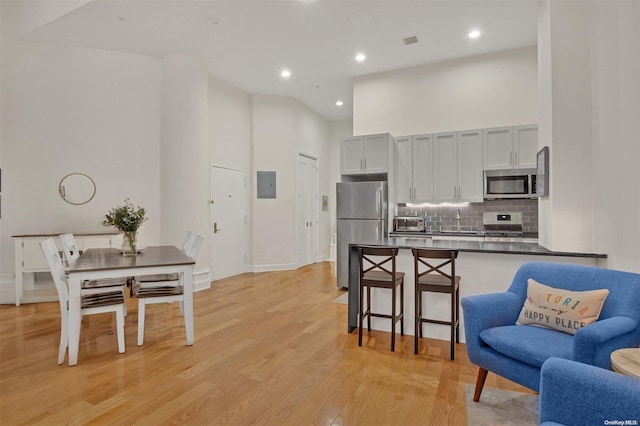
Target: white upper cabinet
[
  {"x": 470, "y": 184},
  {"x": 365, "y": 154},
  {"x": 422, "y": 165},
  {"x": 458, "y": 166},
  {"x": 510, "y": 147},
  {"x": 445, "y": 166},
  {"x": 403, "y": 169},
  {"x": 525, "y": 140},
  {"x": 413, "y": 169},
  {"x": 498, "y": 148},
  {"x": 351, "y": 155}
]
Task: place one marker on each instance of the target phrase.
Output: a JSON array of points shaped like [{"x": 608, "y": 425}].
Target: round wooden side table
[{"x": 626, "y": 361}]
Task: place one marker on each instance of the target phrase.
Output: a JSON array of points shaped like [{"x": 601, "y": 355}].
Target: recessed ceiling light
[
  {"x": 339, "y": 103},
  {"x": 474, "y": 34},
  {"x": 285, "y": 73},
  {"x": 213, "y": 21},
  {"x": 360, "y": 57}
]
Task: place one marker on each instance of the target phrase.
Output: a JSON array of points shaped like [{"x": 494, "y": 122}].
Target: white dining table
[{"x": 111, "y": 263}]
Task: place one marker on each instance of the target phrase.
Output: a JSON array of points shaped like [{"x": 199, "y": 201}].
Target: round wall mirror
[{"x": 77, "y": 188}]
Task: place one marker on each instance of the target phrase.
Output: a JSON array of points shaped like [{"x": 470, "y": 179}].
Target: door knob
[{"x": 215, "y": 228}]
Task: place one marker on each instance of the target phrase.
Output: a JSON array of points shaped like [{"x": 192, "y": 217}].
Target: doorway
[
  {"x": 228, "y": 225},
  {"x": 307, "y": 210}
]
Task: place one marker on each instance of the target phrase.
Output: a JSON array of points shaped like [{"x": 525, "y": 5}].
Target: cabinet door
[
  {"x": 470, "y": 166},
  {"x": 376, "y": 153},
  {"x": 498, "y": 148},
  {"x": 445, "y": 165},
  {"x": 402, "y": 169},
  {"x": 351, "y": 155},
  {"x": 32, "y": 256},
  {"x": 525, "y": 141},
  {"x": 422, "y": 166}
]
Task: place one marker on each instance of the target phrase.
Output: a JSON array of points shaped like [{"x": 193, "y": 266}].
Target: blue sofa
[
  {"x": 517, "y": 352},
  {"x": 572, "y": 393}
]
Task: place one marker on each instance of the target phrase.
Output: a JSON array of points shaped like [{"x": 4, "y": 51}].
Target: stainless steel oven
[{"x": 509, "y": 183}]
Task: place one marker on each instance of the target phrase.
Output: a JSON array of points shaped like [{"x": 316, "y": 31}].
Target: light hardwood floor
[{"x": 270, "y": 349}]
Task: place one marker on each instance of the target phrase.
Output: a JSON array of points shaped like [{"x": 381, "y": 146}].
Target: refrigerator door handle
[{"x": 378, "y": 201}]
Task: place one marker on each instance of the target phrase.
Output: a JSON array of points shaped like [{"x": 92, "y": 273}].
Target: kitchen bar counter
[
  {"x": 485, "y": 267},
  {"x": 480, "y": 246}
]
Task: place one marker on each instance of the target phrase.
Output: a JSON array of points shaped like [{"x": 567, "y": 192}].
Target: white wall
[
  {"x": 282, "y": 128},
  {"x": 338, "y": 130},
  {"x": 184, "y": 169},
  {"x": 312, "y": 133},
  {"x": 84, "y": 110},
  {"x": 592, "y": 128},
  {"x": 229, "y": 137},
  {"x": 75, "y": 110},
  {"x": 229, "y": 131},
  {"x": 568, "y": 217},
  {"x": 482, "y": 91},
  {"x": 615, "y": 70}
]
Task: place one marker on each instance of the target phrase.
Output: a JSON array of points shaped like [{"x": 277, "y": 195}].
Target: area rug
[
  {"x": 343, "y": 300},
  {"x": 501, "y": 407}
]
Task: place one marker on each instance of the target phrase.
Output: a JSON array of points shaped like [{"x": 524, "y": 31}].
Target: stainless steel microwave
[{"x": 510, "y": 183}]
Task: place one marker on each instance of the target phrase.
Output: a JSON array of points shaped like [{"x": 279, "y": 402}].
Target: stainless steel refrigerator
[{"x": 361, "y": 218}]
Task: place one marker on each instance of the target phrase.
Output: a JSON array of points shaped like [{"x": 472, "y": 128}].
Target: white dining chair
[
  {"x": 92, "y": 300},
  {"x": 165, "y": 288},
  {"x": 71, "y": 253}
]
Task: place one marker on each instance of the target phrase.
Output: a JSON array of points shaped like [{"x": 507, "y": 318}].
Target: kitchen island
[{"x": 485, "y": 267}]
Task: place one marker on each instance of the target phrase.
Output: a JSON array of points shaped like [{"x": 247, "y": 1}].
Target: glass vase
[{"x": 130, "y": 243}]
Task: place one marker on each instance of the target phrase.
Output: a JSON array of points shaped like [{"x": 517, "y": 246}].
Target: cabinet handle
[
  {"x": 455, "y": 188},
  {"x": 365, "y": 164},
  {"x": 515, "y": 155},
  {"x": 511, "y": 158},
  {"x": 361, "y": 168},
  {"x": 459, "y": 192}
]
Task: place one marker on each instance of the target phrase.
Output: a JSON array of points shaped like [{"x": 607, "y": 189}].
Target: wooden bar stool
[
  {"x": 436, "y": 278},
  {"x": 373, "y": 273}
]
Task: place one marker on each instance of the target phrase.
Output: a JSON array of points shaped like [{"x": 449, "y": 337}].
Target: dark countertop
[{"x": 477, "y": 246}]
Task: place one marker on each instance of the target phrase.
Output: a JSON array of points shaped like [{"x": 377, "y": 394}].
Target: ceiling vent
[{"x": 410, "y": 40}]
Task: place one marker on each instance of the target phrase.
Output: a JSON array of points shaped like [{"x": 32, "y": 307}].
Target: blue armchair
[
  {"x": 572, "y": 393},
  {"x": 517, "y": 352}
]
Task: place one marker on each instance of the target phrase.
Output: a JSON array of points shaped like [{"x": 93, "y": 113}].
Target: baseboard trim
[
  {"x": 7, "y": 289},
  {"x": 201, "y": 280},
  {"x": 274, "y": 267}
]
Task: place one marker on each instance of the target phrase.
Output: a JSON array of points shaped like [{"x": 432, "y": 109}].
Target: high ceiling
[{"x": 248, "y": 43}]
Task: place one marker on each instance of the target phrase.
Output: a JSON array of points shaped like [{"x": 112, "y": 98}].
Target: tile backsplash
[{"x": 444, "y": 217}]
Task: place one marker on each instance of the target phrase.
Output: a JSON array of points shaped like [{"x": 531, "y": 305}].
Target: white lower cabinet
[{"x": 33, "y": 284}]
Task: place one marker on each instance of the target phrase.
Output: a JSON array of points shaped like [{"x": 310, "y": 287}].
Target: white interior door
[
  {"x": 228, "y": 222},
  {"x": 307, "y": 210}
]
